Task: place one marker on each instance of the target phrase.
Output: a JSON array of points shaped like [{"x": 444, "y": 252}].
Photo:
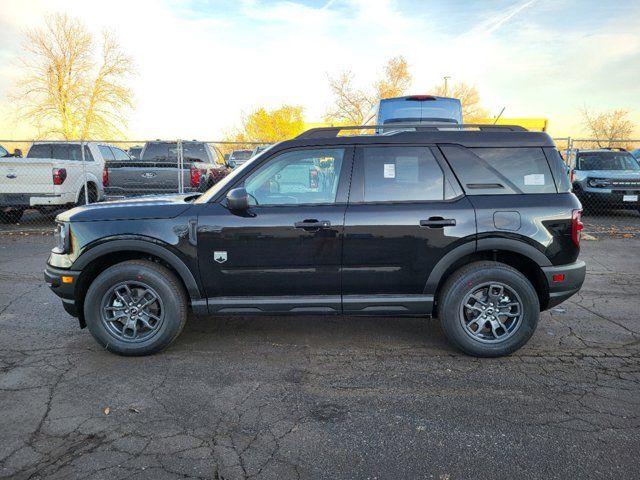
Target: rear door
[{"x": 405, "y": 213}]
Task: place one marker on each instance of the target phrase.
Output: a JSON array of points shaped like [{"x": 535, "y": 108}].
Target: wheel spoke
[
  {"x": 114, "y": 308},
  {"x": 149, "y": 301}
]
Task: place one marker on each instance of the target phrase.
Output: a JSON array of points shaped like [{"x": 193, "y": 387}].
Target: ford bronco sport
[{"x": 475, "y": 225}]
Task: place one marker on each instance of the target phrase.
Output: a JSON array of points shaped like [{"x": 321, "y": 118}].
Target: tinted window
[
  {"x": 607, "y": 161},
  {"x": 106, "y": 152},
  {"x": 40, "y": 151},
  {"x": 194, "y": 152},
  {"x": 299, "y": 177},
  {"x": 88, "y": 156},
  {"x": 135, "y": 152},
  {"x": 501, "y": 170},
  {"x": 119, "y": 154},
  {"x": 401, "y": 174},
  {"x": 67, "y": 152}
]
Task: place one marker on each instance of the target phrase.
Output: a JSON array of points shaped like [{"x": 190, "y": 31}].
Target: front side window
[
  {"x": 297, "y": 178},
  {"x": 401, "y": 174}
]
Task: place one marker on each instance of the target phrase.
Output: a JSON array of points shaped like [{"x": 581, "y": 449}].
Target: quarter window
[
  {"x": 299, "y": 177},
  {"x": 400, "y": 174}
]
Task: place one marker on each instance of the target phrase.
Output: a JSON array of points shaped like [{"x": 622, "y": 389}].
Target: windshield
[
  {"x": 607, "y": 161},
  {"x": 241, "y": 154},
  {"x": 406, "y": 109},
  {"x": 231, "y": 178}
]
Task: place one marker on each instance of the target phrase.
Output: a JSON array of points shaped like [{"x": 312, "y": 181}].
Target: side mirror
[
  {"x": 238, "y": 199},
  {"x": 17, "y": 153}
]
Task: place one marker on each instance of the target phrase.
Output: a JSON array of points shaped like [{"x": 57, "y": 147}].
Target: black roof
[{"x": 465, "y": 138}]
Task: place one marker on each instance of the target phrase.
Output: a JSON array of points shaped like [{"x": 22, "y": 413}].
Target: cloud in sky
[{"x": 201, "y": 63}]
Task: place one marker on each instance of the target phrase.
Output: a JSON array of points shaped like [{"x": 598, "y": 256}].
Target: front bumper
[
  {"x": 559, "y": 291},
  {"x": 66, "y": 291},
  {"x": 608, "y": 198}
]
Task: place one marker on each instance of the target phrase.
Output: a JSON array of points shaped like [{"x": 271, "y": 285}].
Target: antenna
[{"x": 499, "y": 115}]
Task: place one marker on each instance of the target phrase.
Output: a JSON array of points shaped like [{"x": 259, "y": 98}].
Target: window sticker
[
  {"x": 389, "y": 170},
  {"x": 534, "y": 179}
]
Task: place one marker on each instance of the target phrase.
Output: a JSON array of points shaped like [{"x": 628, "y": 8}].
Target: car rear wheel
[
  {"x": 135, "y": 308},
  {"x": 488, "y": 309}
]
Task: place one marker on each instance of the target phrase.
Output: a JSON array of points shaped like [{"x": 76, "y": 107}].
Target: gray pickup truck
[
  {"x": 606, "y": 178},
  {"x": 157, "y": 171}
]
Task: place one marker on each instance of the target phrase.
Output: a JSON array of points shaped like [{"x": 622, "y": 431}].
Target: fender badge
[{"x": 220, "y": 257}]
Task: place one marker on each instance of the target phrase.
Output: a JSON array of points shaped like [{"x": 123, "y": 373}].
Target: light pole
[{"x": 446, "y": 85}]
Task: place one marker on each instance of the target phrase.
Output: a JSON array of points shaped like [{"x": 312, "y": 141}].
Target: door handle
[
  {"x": 438, "y": 222},
  {"x": 312, "y": 224}
]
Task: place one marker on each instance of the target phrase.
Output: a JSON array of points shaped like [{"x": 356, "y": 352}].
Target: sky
[{"x": 201, "y": 64}]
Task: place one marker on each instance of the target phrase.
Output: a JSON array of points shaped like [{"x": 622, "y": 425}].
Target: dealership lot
[{"x": 319, "y": 397}]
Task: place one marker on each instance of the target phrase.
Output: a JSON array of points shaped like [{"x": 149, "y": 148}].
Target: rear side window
[
  {"x": 500, "y": 171},
  {"x": 401, "y": 174},
  {"x": 40, "y": 151}
]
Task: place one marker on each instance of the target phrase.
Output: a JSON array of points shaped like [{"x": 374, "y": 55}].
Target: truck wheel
[
  {"x": 135, "y": 308},
  {"x": 488, "y": 309},
  {"x": 93, "y": 195},
  {"x": 10, "y": 215}
]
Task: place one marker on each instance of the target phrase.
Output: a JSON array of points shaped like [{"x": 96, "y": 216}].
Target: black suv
[{"x": 476, "y": 225}]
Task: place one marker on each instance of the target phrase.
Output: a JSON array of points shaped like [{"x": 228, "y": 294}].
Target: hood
[
  {"x": 609, "y": 174},
  {"x": 138, "y": 208}
]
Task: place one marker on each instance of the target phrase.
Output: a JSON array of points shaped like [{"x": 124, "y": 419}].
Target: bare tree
[
  {"x": 351, "y": 104},
  {"x": 469, "y": 97},
  {"x": 397, "y": 79},
  {"x": 607, "y": 126},
  {"x": 65, "y": 91}
]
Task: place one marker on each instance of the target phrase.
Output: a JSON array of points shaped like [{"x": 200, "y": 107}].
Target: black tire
[
  {"x": 171, "y": 307},
  {"x": 458, "y": 321},
  {"x": 10, "y": 215}
]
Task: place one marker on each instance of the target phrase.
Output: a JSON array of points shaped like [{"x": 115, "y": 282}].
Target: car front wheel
[
  {"x": 135, "y": 308},
  {"x": 488, "y": 309}
]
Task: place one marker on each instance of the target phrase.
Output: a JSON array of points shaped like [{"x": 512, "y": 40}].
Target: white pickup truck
[{"x": 50, "y": 177}]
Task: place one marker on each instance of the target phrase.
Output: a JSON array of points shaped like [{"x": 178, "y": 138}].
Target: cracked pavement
[{"x": 321, "y": 397}]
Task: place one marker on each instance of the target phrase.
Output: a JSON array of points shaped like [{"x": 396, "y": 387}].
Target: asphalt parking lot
[{"x": 321, "y": 397}]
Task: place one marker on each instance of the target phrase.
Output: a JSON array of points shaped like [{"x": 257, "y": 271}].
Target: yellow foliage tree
[
  {"x": 469, "y": 97},
  {"x": 65, "y": 91},
  {"x": 266, "y": 126}
]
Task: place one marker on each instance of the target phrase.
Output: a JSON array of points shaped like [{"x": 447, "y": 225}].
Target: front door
[
  {"x": 282, "y": 255},
  {"x": 404, "y": 214}
]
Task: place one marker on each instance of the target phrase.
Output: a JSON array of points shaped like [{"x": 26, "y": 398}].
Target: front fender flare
[{"x": 144, "y": 246}]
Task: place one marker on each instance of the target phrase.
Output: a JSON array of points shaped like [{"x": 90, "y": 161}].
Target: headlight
[
  {"x": 598, "y": 182},
  {"x": 61, "y": 238}
]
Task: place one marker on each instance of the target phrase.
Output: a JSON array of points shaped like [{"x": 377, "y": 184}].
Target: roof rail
[{"x": 323, "y": 132}]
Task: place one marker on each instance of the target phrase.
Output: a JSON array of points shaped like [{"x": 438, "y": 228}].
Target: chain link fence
[
  {"x": 39, "y": 179},
  {"x": 605, "y": 175}
]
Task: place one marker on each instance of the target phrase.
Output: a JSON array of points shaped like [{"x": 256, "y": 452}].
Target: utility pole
[{"x": 446, "y": 85}]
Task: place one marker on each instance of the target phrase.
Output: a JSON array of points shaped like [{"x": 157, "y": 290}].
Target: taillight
[
  {"x": 571, "y": 176},
  {"x": 576, "y": 226},
  {"x": 105, "y": 176},
  {"x": 194, "y": 176},
  {"x": 59, "y": 176}
]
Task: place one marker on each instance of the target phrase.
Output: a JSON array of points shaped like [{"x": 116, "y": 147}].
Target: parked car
[
  {"x": 52, "y": 176},
  {"x": 606, "y": 178},
  {"x": 238, "y": 157},
  {"x": 259, "y": 149},
  {"x": 420, "y": 109},
  {"x": 135, "y": 152},
  {"x": 4, "y": 153},
  {"x": 636, "y": 153},
  {"x": 477, "y": 228},
  {"x": 157, "y": 170}
]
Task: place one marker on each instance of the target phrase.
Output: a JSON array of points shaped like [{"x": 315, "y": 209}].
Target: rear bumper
[
  {"x": 559, "y": 291},
  {"x": 66, "y": 291},
  {"x": 30, "y": 199}
]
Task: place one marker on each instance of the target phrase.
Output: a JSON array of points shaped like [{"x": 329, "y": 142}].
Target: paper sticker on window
[
  {"x": 534, "y": 179},
  {"x": 389, "y": 170}
]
